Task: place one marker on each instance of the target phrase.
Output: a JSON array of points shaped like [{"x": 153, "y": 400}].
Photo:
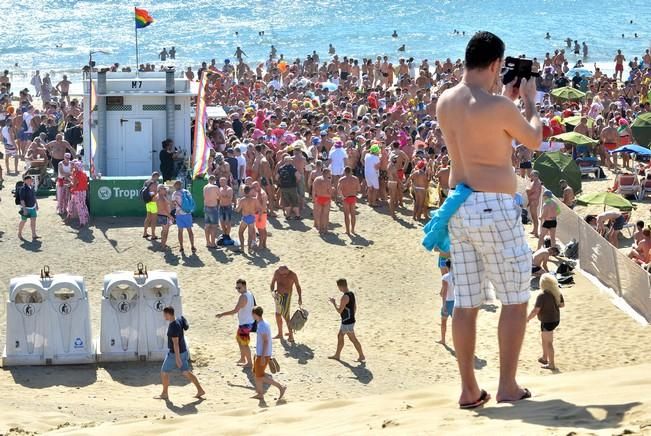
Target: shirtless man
[
  {"x": 534, "y": 191},
  {"x": 282, "y": 285},
  {"x": 300, "y": 163},
  {"x": 222, "y": 168},
  {"x": 211, "y": 199},
  {"x": 266, "y": 180},
  {"x": 248, "y": 207},
  {"x": 523, "y": 157},
  {"x": 348, "y": 188},
  {"x": 418, "y": 180},
  {"x": 403, "y": 163},
  {"x": 482, "y": 161},
  {"x": 443, "y": 178},
  {"x": 58, "y": 148},
  {"x": 64, "y": 88},
  {"x": 548, "y": 218},
  {"x": 583, "y": 128},
  {"x": 393, "y": 184},
  {"x": 316, "y": 172},
  {"x": 164, "y": 216},
  {"x": 261, "y": 217},
  {"x": 617, "y": 222},
  {"x": 619, "y": 64},
  {"x": 225, "y": 206},
  {"x": 540, "y": 258},
  {"x": 568, "y": 194},
  {"x": 322, "y": 194},
  {"x": 640, "y": 254},
  {"x": 610, "y": 140},
  {"x": 36, "y": 155}
]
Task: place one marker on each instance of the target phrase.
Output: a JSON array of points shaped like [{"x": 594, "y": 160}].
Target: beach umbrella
[
  {"x": 641, "y": 128},
  {"x": 583, "y": 72},
  {"x": 633, "y": 148},
  {"x": 607, "y": 199},
  {"x": 576, "y": 120},
  {"x": 329, "y": 86},
  {"x": 574, "y": 138},
  {"x": 567, "y": 93},
  {"x": 554, "y": 166}
]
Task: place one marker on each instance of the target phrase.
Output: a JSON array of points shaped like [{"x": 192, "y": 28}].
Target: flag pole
[{"x": 137, "y": 54}]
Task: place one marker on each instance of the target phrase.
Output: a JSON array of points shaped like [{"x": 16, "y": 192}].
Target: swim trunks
[
  {"x": 211, "y": 215},
  {"x": 261, "y": 221},
  {"x": 548, "y": 326},
  {"x": 322, "y": 200},
  {"x": 525, "y": 165},
  {"x": 401, "y": 175},
  {"x": 619, "y": 223},
  {"x": 243, "y": 334},
  {"x": 289, "y": 197},
  {"x": 352, "y": 200},
  {"x": 549, "y": 224},
  {"x": 347, "y": 328},
  {"x": 610, "y": 146},
  {"x": 151, "y": 207},
  {"x": 184, "y": 221},
  {"x": 225, "y": 213},
  {"x": 489, "y": 247},
  {"x": 248, "y": 219},
  {"x": 535, "y": 269},
  {"x": 283, "y": 304},
  {"x": 162, "y": 220},
  {"x": 169, "y": 364},
  {"x": 31, "y": 213},
  {"x": 260, "y": 365}
]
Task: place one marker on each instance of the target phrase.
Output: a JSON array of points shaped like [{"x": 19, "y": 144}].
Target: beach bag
[
  {"x": 187, "y": 202},
  {"x": 299, "y": 318},
  {"x": 564, "y": 269},
  {"x": 565, "y": 280},
  {"x": 185, "y": 325},
  {"x": 571, "y": 250},
  {"x": 525, "y": 216},
  {"x": 274, "y": 367}
]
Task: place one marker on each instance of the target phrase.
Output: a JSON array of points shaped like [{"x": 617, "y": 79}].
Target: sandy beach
[{"x": 409, "y": 382}]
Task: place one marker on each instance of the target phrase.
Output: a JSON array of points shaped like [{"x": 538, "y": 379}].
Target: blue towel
[{"x": 437, "y": 236}]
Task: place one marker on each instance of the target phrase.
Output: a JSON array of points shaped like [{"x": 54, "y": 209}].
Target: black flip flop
[
  {"x": 525, "y": 395},
  {"x": 483, "y": 399}
]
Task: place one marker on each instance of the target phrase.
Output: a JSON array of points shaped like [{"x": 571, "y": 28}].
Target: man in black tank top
[{"x": 347, "y": 309}]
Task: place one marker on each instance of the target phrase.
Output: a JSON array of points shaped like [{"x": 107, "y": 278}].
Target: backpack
[
  {"x": 185, "y": 325},
  {"x": 16, "y": 192},
  {"x": 145, "y": 194},
  {"x": 287, "y": 176},
  {"x": 187, "y": 202}
]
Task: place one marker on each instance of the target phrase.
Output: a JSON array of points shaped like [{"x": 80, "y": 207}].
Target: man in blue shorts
[
  {"x": 177, "y": 358},
  {"x": 183, "y": 218}
]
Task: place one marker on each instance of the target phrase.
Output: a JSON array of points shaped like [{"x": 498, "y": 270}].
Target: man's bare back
[{"x": 481, "y": 155}]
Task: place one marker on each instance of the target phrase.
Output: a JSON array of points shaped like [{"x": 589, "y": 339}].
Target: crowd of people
[{"x": 331, "y": 133}]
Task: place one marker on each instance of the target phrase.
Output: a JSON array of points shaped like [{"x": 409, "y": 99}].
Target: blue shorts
[
  {"x": 211, "y": 215},
  {"x": 169, "y": 364},
  {"x": 184, "y": 221},
  {"x": 248, "y": 219},
  {"x": 226, "y": 213},
  {"x": 449, "y": 308}
]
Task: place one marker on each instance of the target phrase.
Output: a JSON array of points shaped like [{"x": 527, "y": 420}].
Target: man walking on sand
[
  {"x": 211, "y": 211},
  {"x": 177, "y": 356},
  {"x": 244, "y": 310},
  {"x": 282, "y": 284},
  {"x": 28, "y": 207},
  {"x": 347, "y": 309},
  {"x": 263, "y": 353},
  {"x": 487, "y": 238}
]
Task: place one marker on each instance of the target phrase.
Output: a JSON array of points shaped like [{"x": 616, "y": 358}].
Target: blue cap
[{"x": 316, "y": 140}]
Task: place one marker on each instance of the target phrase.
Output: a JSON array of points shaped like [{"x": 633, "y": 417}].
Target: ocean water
[{"x": 205, "y": 29}]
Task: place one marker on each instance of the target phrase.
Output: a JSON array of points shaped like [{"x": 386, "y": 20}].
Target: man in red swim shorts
[
  {"x": 348, "y": 189},
  {"x": 322, "y": 194}
]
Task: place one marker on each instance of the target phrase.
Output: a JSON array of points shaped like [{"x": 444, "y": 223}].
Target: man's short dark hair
[
  {"x": 241, "y": 282},
  {"x": 169, "y": 310},
  {"x": 483, "y": 49},
  {"x": 27, "y": 177},
  {"x": 258, "y": 311},
  {"x": 640, "y": 224},
  {"x": 342, "y": 282}
]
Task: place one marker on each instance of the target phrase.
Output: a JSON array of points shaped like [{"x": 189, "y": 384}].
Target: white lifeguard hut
[
  {"x": 48, "y": 321},
  {"x": 134, "y": 114},
  {"x": 132, "y": 325}
]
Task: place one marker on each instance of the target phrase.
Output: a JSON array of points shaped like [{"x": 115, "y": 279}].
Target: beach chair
[
  {"x": 628, "y": 184},
  {"x": 645, "y": 188},
  {"x": 587, "y": 167}
]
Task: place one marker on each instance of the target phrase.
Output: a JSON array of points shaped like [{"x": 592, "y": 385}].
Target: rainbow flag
[
  {"x": 143, "y": 19},
  {"x": 202, "y": 144}
]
